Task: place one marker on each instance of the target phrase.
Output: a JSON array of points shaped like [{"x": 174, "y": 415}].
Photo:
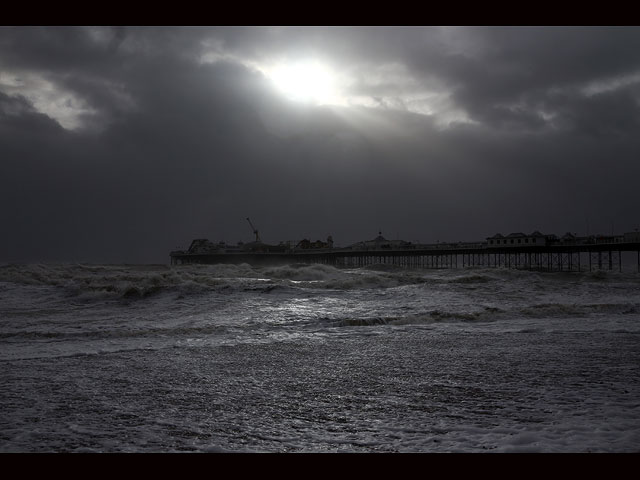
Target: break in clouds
[{"x": 121, "y": 144}]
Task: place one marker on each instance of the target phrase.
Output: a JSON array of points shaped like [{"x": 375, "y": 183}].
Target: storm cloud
[{"x": 121, "y": 144}]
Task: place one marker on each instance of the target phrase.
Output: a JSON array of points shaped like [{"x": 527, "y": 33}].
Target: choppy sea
[{"x": 312, "y": 358}]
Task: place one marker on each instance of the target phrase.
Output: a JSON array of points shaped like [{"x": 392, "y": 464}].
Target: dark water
[{"x": 316, "y": 359}]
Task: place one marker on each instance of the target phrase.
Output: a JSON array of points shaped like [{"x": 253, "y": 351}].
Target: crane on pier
[{"x": 254, "y": 230}]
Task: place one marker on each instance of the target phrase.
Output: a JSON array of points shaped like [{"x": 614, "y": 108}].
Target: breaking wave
[
  {"x": 434, "y": 316},
  {"x": 136, "y": 282},
  {"x": 491, "y": 314},
  {"x": 131, "y": 281}
]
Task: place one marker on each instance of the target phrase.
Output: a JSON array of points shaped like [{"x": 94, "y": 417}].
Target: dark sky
[{"x": 121, "y": 144}]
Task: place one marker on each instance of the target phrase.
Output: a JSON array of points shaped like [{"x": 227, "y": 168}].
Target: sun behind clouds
[{"x": 307, "y": 81}]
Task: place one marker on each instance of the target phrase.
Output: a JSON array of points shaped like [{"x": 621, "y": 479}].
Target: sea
[{"x": 314, "y": 358}]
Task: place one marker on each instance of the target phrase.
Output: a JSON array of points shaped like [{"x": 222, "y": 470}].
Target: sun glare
[{"x": 309, "y": 82}]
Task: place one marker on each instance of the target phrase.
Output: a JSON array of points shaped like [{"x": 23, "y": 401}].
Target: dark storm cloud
[
  {"x": 501, "y": 75},
  {"x": 173, "y": 148},
  {"x": 517, "y": 70}
]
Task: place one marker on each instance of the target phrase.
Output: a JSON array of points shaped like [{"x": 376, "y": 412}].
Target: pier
[{"x": 559, "y": 257}]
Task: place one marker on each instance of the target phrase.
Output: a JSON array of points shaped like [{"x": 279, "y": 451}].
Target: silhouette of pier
[{"x": 558, "y": 257}]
